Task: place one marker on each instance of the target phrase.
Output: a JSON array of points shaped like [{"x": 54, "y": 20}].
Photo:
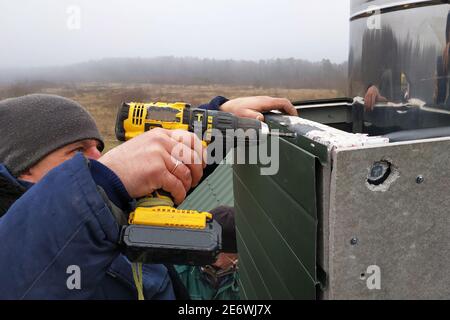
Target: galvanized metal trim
[{"x": 396, "y": 6}]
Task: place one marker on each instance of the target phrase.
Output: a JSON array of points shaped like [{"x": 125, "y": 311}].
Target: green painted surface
[
  {"x": 216, "y": 190},
  {"x": 279, "y": 218},
  {"x": 276, "y": 219}
]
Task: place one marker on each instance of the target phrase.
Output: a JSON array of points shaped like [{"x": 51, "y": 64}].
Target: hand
[
  {"x": 253, "y": 107},
  {"x": 372, "y": 97},
  {"x": 226, "y": 260},
  {"x": 149, "y": 162}
]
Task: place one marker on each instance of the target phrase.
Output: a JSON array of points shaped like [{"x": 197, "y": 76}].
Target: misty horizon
[
  {"x": 288, "y": 73},
  {"x": 135, "y": 58}
]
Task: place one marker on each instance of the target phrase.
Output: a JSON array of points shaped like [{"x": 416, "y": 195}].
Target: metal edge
[{"x": 396, "y": 6}]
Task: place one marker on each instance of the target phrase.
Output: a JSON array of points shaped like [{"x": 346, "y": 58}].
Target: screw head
[
  {"x": 420, "y": 179},
  {"x": 354, "y": 241}
]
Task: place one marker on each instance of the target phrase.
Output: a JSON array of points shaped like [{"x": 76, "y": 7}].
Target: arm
[
  {"x": 60, "y": 222},
  {"x": 65, "y": 220},
  {"x": 248, "y": 107},
  {"x": 251, "y": 107}
]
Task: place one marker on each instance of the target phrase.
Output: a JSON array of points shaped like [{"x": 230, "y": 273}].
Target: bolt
[
  {"x": 354, "y": 241},
  {"x": 420, "y": 179}
]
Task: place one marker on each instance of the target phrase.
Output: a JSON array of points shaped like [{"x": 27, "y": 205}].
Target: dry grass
[{"x": 103, "y": 100}]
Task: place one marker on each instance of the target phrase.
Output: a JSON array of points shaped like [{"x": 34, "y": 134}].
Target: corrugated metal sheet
[
  {"x": 276, "y": 221},
  {"x": 215, "y": 191}
]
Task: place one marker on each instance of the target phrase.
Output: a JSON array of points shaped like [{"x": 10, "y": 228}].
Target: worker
[
  {"x": 384, "y": 77},
  {"x": 218, "y": 281},
  {"x": 62, "y": 203}
]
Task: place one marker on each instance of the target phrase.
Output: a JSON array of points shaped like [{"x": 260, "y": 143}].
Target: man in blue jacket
[{"x": 62, "y": 203}]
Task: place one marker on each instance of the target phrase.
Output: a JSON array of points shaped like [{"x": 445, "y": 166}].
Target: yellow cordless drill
[{"x": 158, "y": 232}]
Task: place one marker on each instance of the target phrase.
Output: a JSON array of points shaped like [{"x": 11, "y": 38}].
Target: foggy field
[{"x": 102, "y": 100}]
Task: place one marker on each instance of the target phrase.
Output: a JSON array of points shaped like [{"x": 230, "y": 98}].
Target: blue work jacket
[{"x": 59, "y": 240}]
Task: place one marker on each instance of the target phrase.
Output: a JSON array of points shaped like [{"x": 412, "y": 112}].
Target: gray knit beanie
[{"x": 35, "y": 125}]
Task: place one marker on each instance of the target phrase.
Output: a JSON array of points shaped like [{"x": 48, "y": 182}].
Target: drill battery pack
[{"x": 184, "y": 246}]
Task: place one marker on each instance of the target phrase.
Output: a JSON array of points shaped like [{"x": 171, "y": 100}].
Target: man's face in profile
[{"x": 88, "y": 147}]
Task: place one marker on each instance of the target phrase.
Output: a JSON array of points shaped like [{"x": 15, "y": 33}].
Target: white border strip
[{"x": 386, "y": 6}]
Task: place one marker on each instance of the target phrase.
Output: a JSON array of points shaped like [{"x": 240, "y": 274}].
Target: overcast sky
[{"x": 58, "y": 32}]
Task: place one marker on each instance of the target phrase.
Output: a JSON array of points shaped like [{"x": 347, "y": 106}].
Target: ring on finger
[{"x": 177, "y": 164}]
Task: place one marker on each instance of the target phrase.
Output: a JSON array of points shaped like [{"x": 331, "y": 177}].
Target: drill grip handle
[{"x": 159, "y": 198}]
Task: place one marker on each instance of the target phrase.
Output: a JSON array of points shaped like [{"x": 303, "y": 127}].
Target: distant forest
[{"x": 275, "y": 73}]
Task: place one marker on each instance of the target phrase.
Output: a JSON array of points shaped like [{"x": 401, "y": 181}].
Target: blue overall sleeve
[
  {"x": 60, "y": 229},
  {"x": 214, "y": 104}
]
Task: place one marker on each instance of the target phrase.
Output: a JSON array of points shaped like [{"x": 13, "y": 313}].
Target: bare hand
[
  {"x": 149, "y": 162},
  {"x": 253, "y": 107},
  {"x": 372, "y": 97}
]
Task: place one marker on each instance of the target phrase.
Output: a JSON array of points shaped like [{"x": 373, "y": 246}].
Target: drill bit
[
  {"x": 265, "y": 130},
  {"x": 283, "y": 134}
]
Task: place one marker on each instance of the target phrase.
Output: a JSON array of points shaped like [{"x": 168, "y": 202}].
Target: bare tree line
[{"x": 275, "y": 73}]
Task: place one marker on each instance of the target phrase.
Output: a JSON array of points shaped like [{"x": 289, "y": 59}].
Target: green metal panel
[
  {"x": 276, "y": 218},
  {"x": 216, "y": 190}
]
